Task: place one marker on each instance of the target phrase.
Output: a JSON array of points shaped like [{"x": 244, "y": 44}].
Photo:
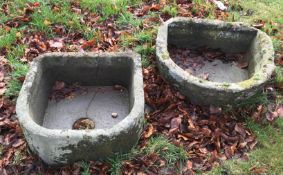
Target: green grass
[
  {"x": 263, "y": 9},
  {"x": 8, "y": 38},
  {"x": 1, "y": 150},
  {"x": 17, "y": 159},
  {"x": 85, "y": 168},
  {"x": 170, "y": 10},
  {"x": 260, "y": 98},
  {"x": 45, "y": 16},
  {"x": 166, "y": 150},
  {"x": 268, "y": 153},
  {"x": 127, "y": 18},
  {"x": 14, "y": 6},
  {"x": 106, "y": 8},
  {"x": 158, "y": 145},
  {"x": 278, "y": 76},
  {"x": 142, "y": 42},
  {"x": 145, "y": 51},
  {"x": 19, "y": 70}
]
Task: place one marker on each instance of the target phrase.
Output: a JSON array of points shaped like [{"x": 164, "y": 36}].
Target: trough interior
[
  {"x": 226, "y": 37},
  {"x": 97, "y": 76}
]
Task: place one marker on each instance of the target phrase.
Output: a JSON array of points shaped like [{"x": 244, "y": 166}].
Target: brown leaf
[
  {"x": 89, "y": 43},
  {"x": 259, "y": 25},
  {"x": 175, "y": 124},
  {"x": 258, "y": 170},
  {"x": 189, "y": 165},
  {"x": 56, "y": 44},
  {"x": 214, "y": 109},
  {"x": 2, "y": 91},
  {"x": 239, "y": 129},
  {"x": 155, "y": 7},
  {"x": 280, "y": 111},
  {"x": 18, "y": 143},
  {"x": 279, "y": 60},
  {"x": 242, "y": 64},
  {"x": 1, "y": 76},
  {"x": 270, "y": 116},
  {"x": 150, "y": 130},
  {"x": 58, "y": 85},
  {"x": 2, "y": 84}
]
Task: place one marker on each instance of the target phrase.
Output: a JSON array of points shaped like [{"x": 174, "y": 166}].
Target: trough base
[
  {"x": 97, "y": 103},
  {"x": 223, "y": 72}
]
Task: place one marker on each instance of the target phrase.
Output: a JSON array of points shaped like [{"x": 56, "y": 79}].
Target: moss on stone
[{"x": 247, "y": 83}]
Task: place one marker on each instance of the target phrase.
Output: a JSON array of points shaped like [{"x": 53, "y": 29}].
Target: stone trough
[
  {"x": 228, "y": 84},
  {"x": 47, "y": 123}
]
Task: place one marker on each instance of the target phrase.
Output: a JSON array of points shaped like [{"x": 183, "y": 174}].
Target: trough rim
[
  {"x": 22, "y": 108},
  {"x": 261, "y": 76}
]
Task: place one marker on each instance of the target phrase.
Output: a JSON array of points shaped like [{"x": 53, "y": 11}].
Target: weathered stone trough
[
  {"x": 47, "y": 124},
  {"x": 229, "y": 85}
]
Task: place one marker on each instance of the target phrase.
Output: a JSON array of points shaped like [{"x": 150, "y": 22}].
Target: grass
[
  {"x": 170, "y": 10},
  {"x": 1, "y": 150},
  {"x": 19, "y": 70},
  {"x": 106, "y": 8},
  {"x": 158, "y": 145},
  {"x": 142, "y": 42},
  {"x": 43, "y": 18},
  {"x": 85, "y": 168},
  {"x": 262, "y": 10},
  {"x": 166, "y": 150},
  {"x": 268, "y": 155},
  {"x": 14, "y": 6},
  {"x": 17, "y": 159},
  {"x": 128, "y": 18},
  {"x": 278, "y": 76},
  {"x": 8, "y": 38}
]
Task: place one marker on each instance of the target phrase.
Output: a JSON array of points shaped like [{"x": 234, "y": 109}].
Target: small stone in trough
[
  {"x": 114, "y": 115},
  {"x": 119, "y": 87}
]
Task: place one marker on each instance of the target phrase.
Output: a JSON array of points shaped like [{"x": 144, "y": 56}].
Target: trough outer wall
[
  {"x": 56, "y": 147},
  {"x": 205, "y": 92}
]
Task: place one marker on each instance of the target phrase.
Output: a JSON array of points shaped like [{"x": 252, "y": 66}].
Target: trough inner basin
[
  {"x": 93, "y": 102},
  {"x": 95, "y": 97},
  {"x": 218, "y": 54}
]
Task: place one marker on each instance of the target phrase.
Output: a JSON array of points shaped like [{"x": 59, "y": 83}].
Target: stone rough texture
[
  {"x": 61, "y": 146},
  {"x": 229, "y": 37}
]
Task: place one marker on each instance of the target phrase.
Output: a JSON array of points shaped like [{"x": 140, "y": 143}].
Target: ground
[{"x": 244, "y": 139}]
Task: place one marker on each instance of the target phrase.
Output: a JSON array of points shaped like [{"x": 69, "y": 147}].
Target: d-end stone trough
[
  {"x": 231, "y": 38},
  {"x": 47, "y": 125}
]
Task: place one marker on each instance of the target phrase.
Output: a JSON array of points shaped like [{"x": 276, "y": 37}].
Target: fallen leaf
[
  {"x": 18, "y": 143},
  {"x": 46, "y": 22},
  {"x": 242, "y": 64},
  {"x": 270, "y": 116},
  {"x": 89, "y": 43},
  {"x": 1, "y": 76},
  {"x": 214, "y": 109},
  {"x": 189, "y": 165},
  {"x": 175, "y": 124},
  {"x": 2, "y": 91},
  {"x": 56, "y": 44},
  {"x": 150, "y": 130},
  {"x": 220, "y": 5},
  {"x": 280, "y": 111},
  {"x": 258, "y": 170},
  {"x": 58, "y": 85},
  {"x": 258, "y": 26}
]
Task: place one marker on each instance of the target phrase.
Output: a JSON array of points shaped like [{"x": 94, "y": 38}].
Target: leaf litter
[{"x": 193, "y": 59}]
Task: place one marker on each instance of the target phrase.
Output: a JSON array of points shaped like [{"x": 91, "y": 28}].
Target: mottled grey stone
[
  {"x": 50, "y": 135},
  {"x": 229, "y": 37}
]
